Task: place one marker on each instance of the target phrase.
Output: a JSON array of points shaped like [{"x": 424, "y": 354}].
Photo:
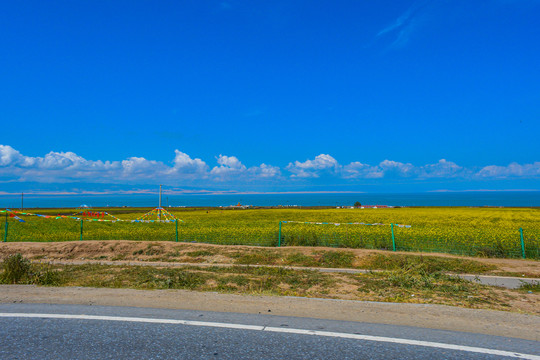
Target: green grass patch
[
  {"x": 429, "y": 264},
  {"x": 413, "y": 283},
  {"x": 416, "y": 285},
  {"x": 336, "y": 259},
  {"x": 533, "y": 287},
  {"x": 299, "y": 259}
]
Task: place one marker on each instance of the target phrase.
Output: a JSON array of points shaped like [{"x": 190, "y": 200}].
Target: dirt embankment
[{"x": 134, "y": 251}]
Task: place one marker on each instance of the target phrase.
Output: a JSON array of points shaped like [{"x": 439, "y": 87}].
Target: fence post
[
  {"x": 393, "y": 237},
  {"x": 176, "y": 222},
  {"x": 81, "y": 229},
  {"x": 279, "y": 239},
  {"x": 6, "y": 229},
  {"x": 522, "y": 243}
]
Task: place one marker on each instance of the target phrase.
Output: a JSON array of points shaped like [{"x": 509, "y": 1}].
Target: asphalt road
[{"x": 41, "y": 331}]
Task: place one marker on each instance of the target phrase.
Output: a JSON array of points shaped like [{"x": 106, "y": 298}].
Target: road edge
[{"x": 442, "y": 317}]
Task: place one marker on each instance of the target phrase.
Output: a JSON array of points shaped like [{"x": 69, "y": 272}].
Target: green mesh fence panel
[
  {"x": 342, "y": 235},
  {"x": 43, "y": 230},
  {"x": 225, "y": 233},
  {"x": 531, "y": 239},
  {"x": 229, "y": 228},
  {"x": 157, "y": 231},
  {"x": 481, "y": 242}
]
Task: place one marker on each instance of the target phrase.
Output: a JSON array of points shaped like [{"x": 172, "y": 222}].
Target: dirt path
[{"x": 420, "y": 315}]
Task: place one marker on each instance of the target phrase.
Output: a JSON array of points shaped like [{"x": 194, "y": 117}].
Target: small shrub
[
  {"x": 48, "y": 277},
  {"x": 16, "y": 269}
]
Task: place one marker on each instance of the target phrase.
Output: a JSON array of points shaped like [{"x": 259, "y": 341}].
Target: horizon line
[{"x": 232, "y": 192}]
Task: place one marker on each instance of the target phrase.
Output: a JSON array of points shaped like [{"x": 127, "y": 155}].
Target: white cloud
[
  {"x": 230, "y": 162},
  {"x": 228, "y": 166},
  {"x": 358, "y": 170},
  {"x": 142, "y": 168},
  {"x": 59, "y": 160},
  {"x": 69, "y": 167},
  {"x": 314, "y": 168},
  {"x": 402, "y": 27},
  {"x": 397, "y": 168},
  {"x": 512, "y": 170},
  {"x": 409, "y": 22},
  {"x": 442, "y": 169},
  {"x": 53, "y": 161},
  {"x": 185, "y": 165},
  {"x": 265, "y": 171},
  {"x": 10, "y": 156},
  {"x": 392, "y": 169}
]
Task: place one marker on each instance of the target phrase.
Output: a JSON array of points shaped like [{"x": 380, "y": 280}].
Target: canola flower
[{"x": 468, "y": 231}]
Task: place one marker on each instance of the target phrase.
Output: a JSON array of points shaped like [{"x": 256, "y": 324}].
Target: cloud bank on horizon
[{"x": 68, "y": 167}]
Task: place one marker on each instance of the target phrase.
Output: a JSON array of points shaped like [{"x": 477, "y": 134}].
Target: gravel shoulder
[{"x": 441, "y": 317}]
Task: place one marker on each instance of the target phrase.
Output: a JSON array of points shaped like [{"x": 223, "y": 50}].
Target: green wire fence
[
  {"x": 521, "y": 243},
  {"x": 396, "y": 237}
]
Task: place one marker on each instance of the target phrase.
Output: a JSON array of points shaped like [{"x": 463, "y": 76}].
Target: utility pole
[
  {"x": 6, "y": 228},
  {"x": 160, "y": 202}
]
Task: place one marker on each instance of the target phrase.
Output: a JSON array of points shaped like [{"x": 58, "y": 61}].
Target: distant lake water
[{"x": 488, "y": 198}]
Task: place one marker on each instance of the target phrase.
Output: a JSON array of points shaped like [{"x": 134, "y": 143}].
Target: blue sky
[{"x": 385, "y": 96}]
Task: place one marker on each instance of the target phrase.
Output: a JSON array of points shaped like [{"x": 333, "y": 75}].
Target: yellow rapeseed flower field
[{"x": 461, "y": 230}]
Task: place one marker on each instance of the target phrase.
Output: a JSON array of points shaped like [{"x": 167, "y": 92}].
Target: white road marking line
[{"x": 279, "y": 330}]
